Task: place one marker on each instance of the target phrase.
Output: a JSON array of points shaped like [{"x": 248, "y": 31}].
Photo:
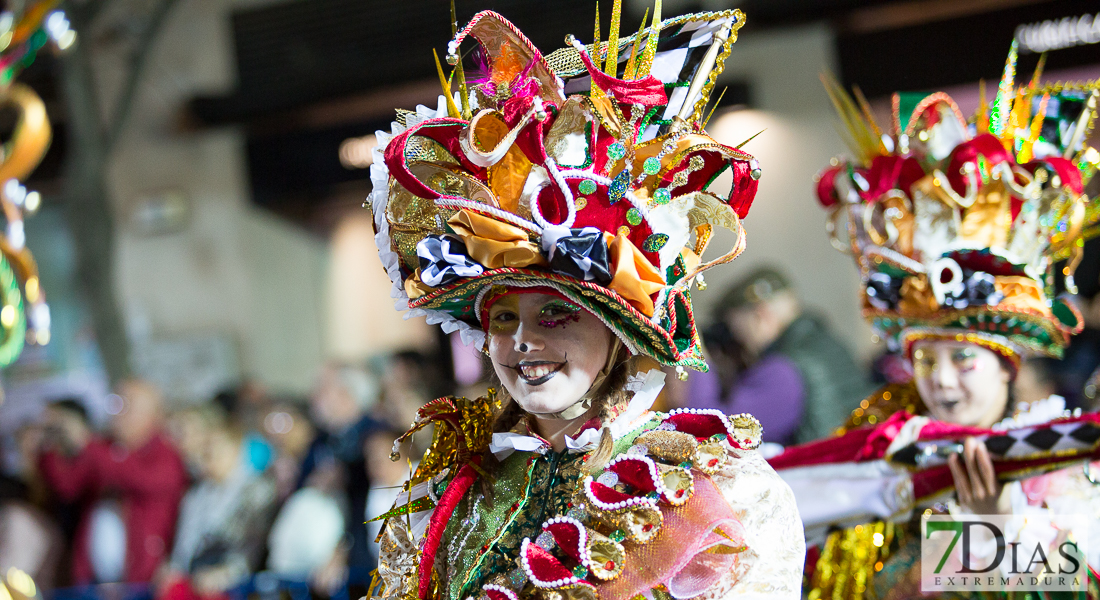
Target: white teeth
[{"x": 536, "y": 371}]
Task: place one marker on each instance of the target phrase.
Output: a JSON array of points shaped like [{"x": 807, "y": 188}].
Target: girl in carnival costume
[
  {"x": 555, "y": 213},
  {"x": 956, "y": 227}
]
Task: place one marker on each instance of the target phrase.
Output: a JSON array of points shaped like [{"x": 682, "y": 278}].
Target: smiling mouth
[
  {"x": 538, "y": 372},
  {"x": 949, "y": 404}
]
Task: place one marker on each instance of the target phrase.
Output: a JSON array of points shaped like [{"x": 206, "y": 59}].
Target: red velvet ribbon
[
  {"x": 647, "y": 91},
  {"x": 744, "y": 187},
  {"x": 440, "y": 517},
  {"x": 443, "y": 130},
  {"x": 1063, "y": 167},
  {"x": 984, "y": 145},
  {"x": 826, "y": 187}
]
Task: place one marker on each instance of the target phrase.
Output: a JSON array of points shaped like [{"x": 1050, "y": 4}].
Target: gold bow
[{"x": 493, "y": 243}]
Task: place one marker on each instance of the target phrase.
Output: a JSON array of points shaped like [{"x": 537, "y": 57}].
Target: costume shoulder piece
[{"x": 654, "y": 519}]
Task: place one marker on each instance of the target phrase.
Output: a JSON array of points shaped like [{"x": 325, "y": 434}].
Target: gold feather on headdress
[{"x": 861, "y": 133}]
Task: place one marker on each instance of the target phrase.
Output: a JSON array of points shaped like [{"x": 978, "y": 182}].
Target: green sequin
[
  {"x": 616, "y": 151},
  {"x": 633, "y": 216},
  {"x": 587, "y": 186},
  {"x": 661, "y": 196},
  {"x": 651, "y": 166},
  {"x": 618, "y": 186},
  {"x": 655, "y": 242}
]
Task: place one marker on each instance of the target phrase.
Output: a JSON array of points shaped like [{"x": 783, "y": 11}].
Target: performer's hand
[{"x": 976, "y": 482}]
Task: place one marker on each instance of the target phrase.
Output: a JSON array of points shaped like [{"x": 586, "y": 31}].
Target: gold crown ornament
[
  {"x": 586, "y": 170},
  {"x": 957, "y": 225}
]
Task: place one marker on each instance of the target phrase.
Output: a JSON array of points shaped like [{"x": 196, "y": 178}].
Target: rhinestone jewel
[
  {"x": 618, "y": 535},
  {"x": 651, "y": 166},
  {"x": 687, "y": 464},
  {"x": 616, "y": 151},
  {"x": 580, "y": 571},
  {"x": 580, "y": 203},
  {"x": 618, "y": 186},
  {"x": 587, "y": 186},
  {"x": 623, "y": 230},
  {"x": 661, "y": 196},
  {"x": 545, "y": 541},
  {"x": 633, "y": 216},
  {"x": 655, "y": 242}
]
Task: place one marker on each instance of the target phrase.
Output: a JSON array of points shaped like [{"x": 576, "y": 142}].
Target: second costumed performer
[
  {"x": 561, "y": 234},
  {"x": 960, "y": 230}
]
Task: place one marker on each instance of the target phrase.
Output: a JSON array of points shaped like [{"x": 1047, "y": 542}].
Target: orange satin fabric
[
  {"x": 1022, "y": 294},
  {"x": 632, "y": 275},
  {"x": 493, "y": 243}
]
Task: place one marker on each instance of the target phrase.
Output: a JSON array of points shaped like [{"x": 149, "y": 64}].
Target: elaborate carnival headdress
[
  {"x": 586, "y": 170},
  {"x": 957, "y": 226}
]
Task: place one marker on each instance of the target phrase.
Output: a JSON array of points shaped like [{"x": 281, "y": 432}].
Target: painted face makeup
[
  {"x": 960, "y": 382},
  {"x": 544, "y": 361}
]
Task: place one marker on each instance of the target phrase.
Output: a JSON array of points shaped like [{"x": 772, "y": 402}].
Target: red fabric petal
[
  {"x": 701, "y": 425},
  {"x": 607, "y": 495},
  {"x": 1064, "y": 168},
  {"x": 568, "y": 536},
  {"x": 636, "y": 471},
  {"x": 968, "y": 152},
  {"x": 544, "y": 567},
  {"x": 826, "y": 187},
  {"x": 744, "y": 188},
  {"x": 648, "y": 91}
]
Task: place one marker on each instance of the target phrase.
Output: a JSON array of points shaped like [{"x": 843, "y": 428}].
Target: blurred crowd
[{"x": 191, "y": 502}]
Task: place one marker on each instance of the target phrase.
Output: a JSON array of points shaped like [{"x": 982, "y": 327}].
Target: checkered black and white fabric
[
  {"x": 680, "y": 50},
  {"x": 1057, "y": 440}
]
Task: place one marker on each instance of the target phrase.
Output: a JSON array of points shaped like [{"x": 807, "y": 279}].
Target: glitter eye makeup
[
  {"x": 924, "y": 363},
  {"x": 965, "y": 359},
  {"x": 503, "y": 321},
  {"x": 559, "y": 313}
]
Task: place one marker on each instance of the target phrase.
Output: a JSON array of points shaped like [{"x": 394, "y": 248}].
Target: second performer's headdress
[
  {"x": 586, "y": 171},
  {"x": 957, "y": 227}
]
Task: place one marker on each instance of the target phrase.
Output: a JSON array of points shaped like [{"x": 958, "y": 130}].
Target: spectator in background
[
  {"x": 341, "y": 404},
  {"x": 801, "y": 382},
  {"x": 245, "y": 407},
  {"x": 190, "y": 430},
  {"x": 223, "y": 520},
  {"x": 310, "y": 526},
  {"x": 291, "y": 434},
  {"x": 130, "y": 486}
]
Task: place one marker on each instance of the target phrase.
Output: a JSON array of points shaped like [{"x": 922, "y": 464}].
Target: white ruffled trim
[{"x": 379, "y": 198}]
